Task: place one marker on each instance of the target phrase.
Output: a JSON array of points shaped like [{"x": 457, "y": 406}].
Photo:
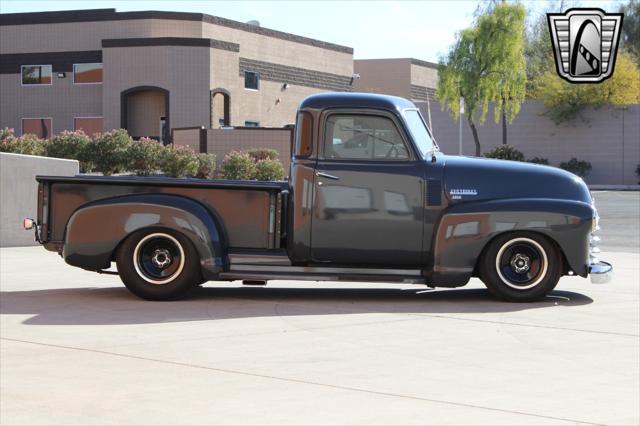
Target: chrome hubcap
[
  {"x": 161, "y": 258},
  {"x": 520, "y": 263}
]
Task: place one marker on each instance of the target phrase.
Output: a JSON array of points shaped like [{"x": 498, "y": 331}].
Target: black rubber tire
[
  {"x": 498, "y": 287},
  {"x": 184, "y": 280}
]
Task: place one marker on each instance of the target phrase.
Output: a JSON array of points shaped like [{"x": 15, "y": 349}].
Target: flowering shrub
[
  {"x": 73, "y": 146},
  {"x": 145, "y": 156},
  {"x": 178, "y": 161},
  {"x": 259, "y": 154},
  {"x": 26, "y": 144},
  {"x": 109, "y": 151},
  {"x": 206, "y": 166},
  {"x": 269, "y": 170},
  {"x": 505, "y": 152},
  {"x": 238, "y": 165}
]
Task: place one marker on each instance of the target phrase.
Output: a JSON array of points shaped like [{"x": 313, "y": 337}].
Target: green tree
[
  {"x": 566, "y": 101},
  {"x": 630, "y": 36},
  {"x": 486, "y": 64}
]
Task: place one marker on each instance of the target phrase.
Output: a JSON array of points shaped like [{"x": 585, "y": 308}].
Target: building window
[
  {"x": 89, "y": 125},
  {"x": 87, "y": 73},
  {"x": 41, "y": 127},
  {"x": 251, "y": 80},
  {"x": 251, "y": 124},
  {"x": 36, "y": 74}
]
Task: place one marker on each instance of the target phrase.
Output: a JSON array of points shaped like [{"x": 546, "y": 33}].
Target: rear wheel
[
  {"x": 158, "y": 264},
  {"x": 521, "y": 267}
]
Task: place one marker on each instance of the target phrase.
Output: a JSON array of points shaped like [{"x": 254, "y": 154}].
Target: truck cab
[{"x": 369, "y": 198}]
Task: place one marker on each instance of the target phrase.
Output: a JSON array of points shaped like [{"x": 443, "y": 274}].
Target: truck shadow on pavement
[{"x": 114, "y": 306}]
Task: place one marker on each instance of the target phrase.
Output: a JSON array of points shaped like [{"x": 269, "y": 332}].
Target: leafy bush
[
  {"x": 269, "y": 170},
  {"x": 505, "y": 152},
  {"x": 206, "y": 166},
  {"x": 538, "y": 160},
  {"x": 259, "y": 154},
  {"x": 577, "y": 167},
  {"x": 145, "y": 156},
  {"x": 73, "y": 146},
  {"x": 238, "y": 166},
  {"x": 178, "y": 161},
  {"x": 108, "y": 151},
  {"x": 27, "y": 144}
]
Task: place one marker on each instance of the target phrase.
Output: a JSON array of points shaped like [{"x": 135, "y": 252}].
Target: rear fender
[
  {"x": 465, "y": 229},
  {"x": 95, "y": 230}
]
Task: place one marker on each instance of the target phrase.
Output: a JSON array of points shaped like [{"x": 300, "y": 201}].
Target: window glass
[
  {"x": 251, "y": 80},
  {"x": 36, "y": 74},
  {"x": 419, "y": 132},
  {"x": 304, "y": 136},
  {"x": 41, "y": 127},
  {"x": 89, "y": 125},
  {"x": 251, "y": 124},
  {"x": 87, "y": 73},
  {"x": 363, "y": 137}
]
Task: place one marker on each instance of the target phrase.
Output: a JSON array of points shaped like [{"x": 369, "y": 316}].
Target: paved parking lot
[{"x": 77, "y": 348}]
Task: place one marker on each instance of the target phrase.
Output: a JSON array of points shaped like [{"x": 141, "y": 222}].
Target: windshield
[{"x": 419, "y": 132}]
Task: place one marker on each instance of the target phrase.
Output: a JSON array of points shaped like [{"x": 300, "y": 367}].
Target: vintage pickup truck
[{"x": 369, "y": 198}]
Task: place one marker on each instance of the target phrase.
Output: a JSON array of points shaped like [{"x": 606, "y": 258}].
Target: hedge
[{"x": 113, "y": 152}]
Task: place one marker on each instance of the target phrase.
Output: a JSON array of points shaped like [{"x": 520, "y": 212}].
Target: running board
[{"x": 327, "y": 274}]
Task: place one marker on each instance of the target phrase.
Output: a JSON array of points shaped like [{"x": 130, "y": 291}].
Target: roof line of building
[
  {"x": 171, "y": 41},
  {"x": 422, "y": 63},
  {"x": 91, "y": 15}
]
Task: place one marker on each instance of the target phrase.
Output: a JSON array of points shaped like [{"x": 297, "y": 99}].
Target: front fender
[
  {"x": 465, "y": 229},
  {"x": 95, "y": 230}
]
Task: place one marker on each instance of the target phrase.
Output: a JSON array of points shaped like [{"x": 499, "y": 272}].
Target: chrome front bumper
[{"x": 600, "y": 272}]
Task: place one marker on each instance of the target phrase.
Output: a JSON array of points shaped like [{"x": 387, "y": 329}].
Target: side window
[
  {"x": 363, "y": 137},
  {"x": 304, "y": 135}
]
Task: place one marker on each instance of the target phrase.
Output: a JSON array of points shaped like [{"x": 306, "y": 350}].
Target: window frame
[
  {"x": 252, "y": 121},
  {"x": 257, "y": 73},
  {"x": 34, "y": 118},
  {"x": 35, "y": 84},
  {"x": 295, "y": 148},
  {"x": 369, "y": 112},
  {"x": 86, "y": 63}
]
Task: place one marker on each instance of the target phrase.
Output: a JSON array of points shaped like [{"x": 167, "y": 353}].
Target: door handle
[{"x": 326, "y": 175}]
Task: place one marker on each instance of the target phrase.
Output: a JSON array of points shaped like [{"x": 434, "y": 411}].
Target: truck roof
[{"x": 355, "y": 100}]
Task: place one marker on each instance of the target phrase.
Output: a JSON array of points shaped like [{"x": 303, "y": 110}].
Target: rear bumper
[{"x": 600, "y": 272}]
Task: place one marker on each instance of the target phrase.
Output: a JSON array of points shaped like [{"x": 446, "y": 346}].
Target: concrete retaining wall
[
  {"x": 609, "y": 138},
  {"x": 19, "y": 191}
]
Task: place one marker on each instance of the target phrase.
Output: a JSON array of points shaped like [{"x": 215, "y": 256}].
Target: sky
[{"x": 375, "y": 29}]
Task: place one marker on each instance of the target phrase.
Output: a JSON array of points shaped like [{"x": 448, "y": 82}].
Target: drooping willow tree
[{"x": 486, "y": 65}]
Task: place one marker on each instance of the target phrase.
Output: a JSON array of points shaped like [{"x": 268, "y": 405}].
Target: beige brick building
[
  {"x": 405, "y": 77},
  {"x": 152, "y": 71}
]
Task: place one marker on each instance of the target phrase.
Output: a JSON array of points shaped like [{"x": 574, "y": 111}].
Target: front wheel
[
  {"x": 158, "y": 265},
  {"x": 521, "y": 267}
]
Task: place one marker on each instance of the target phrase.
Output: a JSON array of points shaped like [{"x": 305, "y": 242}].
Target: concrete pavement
[{"x": 77, "y": 348}]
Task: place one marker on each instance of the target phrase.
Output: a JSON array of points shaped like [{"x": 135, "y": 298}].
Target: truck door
[{"x": 368, "y": 198}]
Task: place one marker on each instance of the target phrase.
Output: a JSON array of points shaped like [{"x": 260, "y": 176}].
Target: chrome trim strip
[{"x": 324, "y": 270}]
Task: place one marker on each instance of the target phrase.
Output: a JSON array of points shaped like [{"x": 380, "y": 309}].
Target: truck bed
[{"x": 250, "y": 210}]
